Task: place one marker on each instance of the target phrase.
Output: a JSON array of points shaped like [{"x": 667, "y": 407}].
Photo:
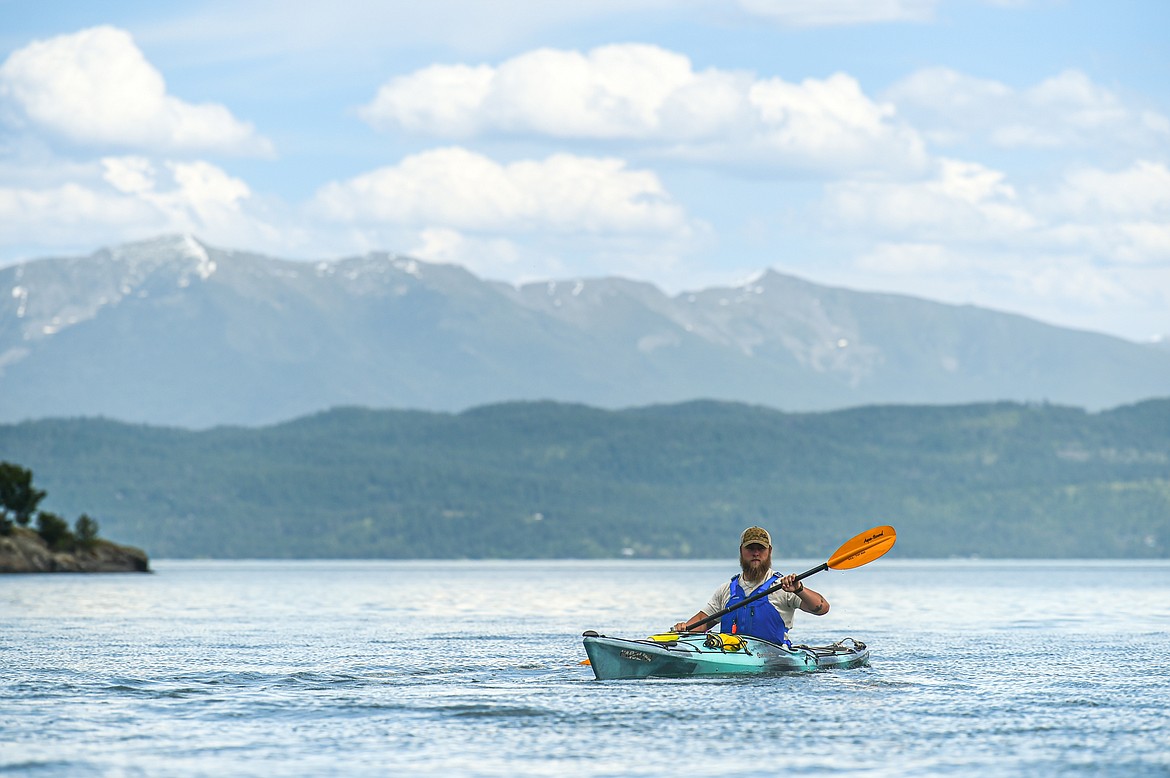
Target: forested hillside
[{"x": 554, "y": 480}]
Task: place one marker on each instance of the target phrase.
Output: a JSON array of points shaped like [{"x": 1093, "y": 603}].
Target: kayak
[{"x": 712, "y": 653}]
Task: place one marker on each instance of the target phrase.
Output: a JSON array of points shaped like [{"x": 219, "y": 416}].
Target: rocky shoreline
[{"x": 24, "y": 551}]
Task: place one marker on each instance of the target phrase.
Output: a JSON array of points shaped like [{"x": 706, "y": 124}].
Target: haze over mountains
[{"x": 175, "y": 332}]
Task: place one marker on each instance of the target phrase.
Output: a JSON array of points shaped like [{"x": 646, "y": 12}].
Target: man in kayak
[{"x": 768, "y": 617}]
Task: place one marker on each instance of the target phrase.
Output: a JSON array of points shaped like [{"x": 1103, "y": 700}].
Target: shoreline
[{"x": 24, "y": 551}]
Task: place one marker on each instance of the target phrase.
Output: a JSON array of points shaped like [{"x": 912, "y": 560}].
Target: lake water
[{"x": 473, "y": 668}]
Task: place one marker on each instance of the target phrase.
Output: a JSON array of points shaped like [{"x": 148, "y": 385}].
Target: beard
[{"x": 755, "y": 570}]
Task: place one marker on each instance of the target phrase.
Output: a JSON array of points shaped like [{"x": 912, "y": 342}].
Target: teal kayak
[{"x": 712, "y": 653}]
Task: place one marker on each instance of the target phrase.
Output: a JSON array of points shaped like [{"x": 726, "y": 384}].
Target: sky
[{"x": 1011, "y": 154}]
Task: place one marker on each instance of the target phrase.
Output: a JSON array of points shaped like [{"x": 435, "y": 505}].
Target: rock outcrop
[{"x": 24, "y": 551}]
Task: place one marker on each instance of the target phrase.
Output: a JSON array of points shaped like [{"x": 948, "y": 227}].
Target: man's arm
[
  {"x": 684, "y": 626},
  {"x": 810, "y": 601}
]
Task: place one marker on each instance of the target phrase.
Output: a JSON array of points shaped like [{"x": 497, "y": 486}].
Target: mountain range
[{"x": 175, "y": 332}]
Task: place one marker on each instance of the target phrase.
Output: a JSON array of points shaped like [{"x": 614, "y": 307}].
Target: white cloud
[
  {"x": 1122, "y": 216},
  {"x": 96, "y": 88},
  {"x": 205, "y": 192},
  {"x": 1067, "y": 110},
  {"x": 462, "y": 190},
  {"x": 128, "y": 198},
  {"x": 616, "y": 91},
  {"x": 68, "y": 213},
  {"x": 524, "y": 220},
  {"x": 824, "y": 13},
  {"x": 1116, "y": 217},
  {"x": 130, "y": 175},
  {"x": 446, "y": 98},
  {"x": 1140, "y": 191},
  {"x": 490, "y": 257},
  {"x": 1091, "y": 250},
  {"x": 1071, "y": 288},
  {"x": 1059, "y": 286},
  {"x": 645, "y": 94},
  {"x": 964, "y": 201},
  {"x": 830, "y": 123}
]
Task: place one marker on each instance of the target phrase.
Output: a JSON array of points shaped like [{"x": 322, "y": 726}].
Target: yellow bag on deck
[{"x": 725, "y": 642}]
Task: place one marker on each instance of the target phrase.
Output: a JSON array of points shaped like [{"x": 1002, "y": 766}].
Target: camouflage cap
[{"x": 755, "y": 535}]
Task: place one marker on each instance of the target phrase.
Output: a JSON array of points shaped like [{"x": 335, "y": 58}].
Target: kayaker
[{"x": 769, "y": 617}]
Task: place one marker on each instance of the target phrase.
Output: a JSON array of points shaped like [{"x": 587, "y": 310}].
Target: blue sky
[{"x": 1013, "y": 154}]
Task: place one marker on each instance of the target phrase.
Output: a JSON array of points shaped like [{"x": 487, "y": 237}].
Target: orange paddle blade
[{"x": 863, "y": 549}]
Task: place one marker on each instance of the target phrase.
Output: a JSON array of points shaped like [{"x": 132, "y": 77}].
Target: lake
[{"x": 978, "y": 668}]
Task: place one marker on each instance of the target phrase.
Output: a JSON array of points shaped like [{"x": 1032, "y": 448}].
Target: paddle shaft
[{"x": 753, "y": 598}]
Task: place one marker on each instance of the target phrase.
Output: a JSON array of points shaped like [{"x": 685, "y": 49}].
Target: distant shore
[{"x": 24, "y": 551}]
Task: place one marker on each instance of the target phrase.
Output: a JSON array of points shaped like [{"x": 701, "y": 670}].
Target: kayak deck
[{"x": 675, "y": 656}]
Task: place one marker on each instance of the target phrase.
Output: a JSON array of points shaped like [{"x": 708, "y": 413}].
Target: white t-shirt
[{"x": 786, "y": 603}]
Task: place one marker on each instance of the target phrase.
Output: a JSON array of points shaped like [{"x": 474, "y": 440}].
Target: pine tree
[{"x": 18, "y": 498}]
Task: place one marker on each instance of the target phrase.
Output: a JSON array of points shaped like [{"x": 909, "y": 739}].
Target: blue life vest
[{"x": 760, "y": 619}]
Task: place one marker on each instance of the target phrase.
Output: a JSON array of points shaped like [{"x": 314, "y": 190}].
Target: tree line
[
  {"x": 19, "y": 502},
  {"x": 549, "y": 480}
]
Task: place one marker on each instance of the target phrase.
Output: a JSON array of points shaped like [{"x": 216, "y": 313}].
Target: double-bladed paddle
[{"x": 855, "y": 552}]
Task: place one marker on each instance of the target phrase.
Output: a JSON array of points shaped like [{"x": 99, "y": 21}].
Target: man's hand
[{"x": 789, "y": 584}]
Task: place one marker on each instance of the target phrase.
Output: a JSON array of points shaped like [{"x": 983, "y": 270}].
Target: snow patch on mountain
[{"x": 204, "y": 265}]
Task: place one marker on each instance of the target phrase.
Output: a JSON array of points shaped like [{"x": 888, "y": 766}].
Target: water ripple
[{"x": 254, "y": 690}]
